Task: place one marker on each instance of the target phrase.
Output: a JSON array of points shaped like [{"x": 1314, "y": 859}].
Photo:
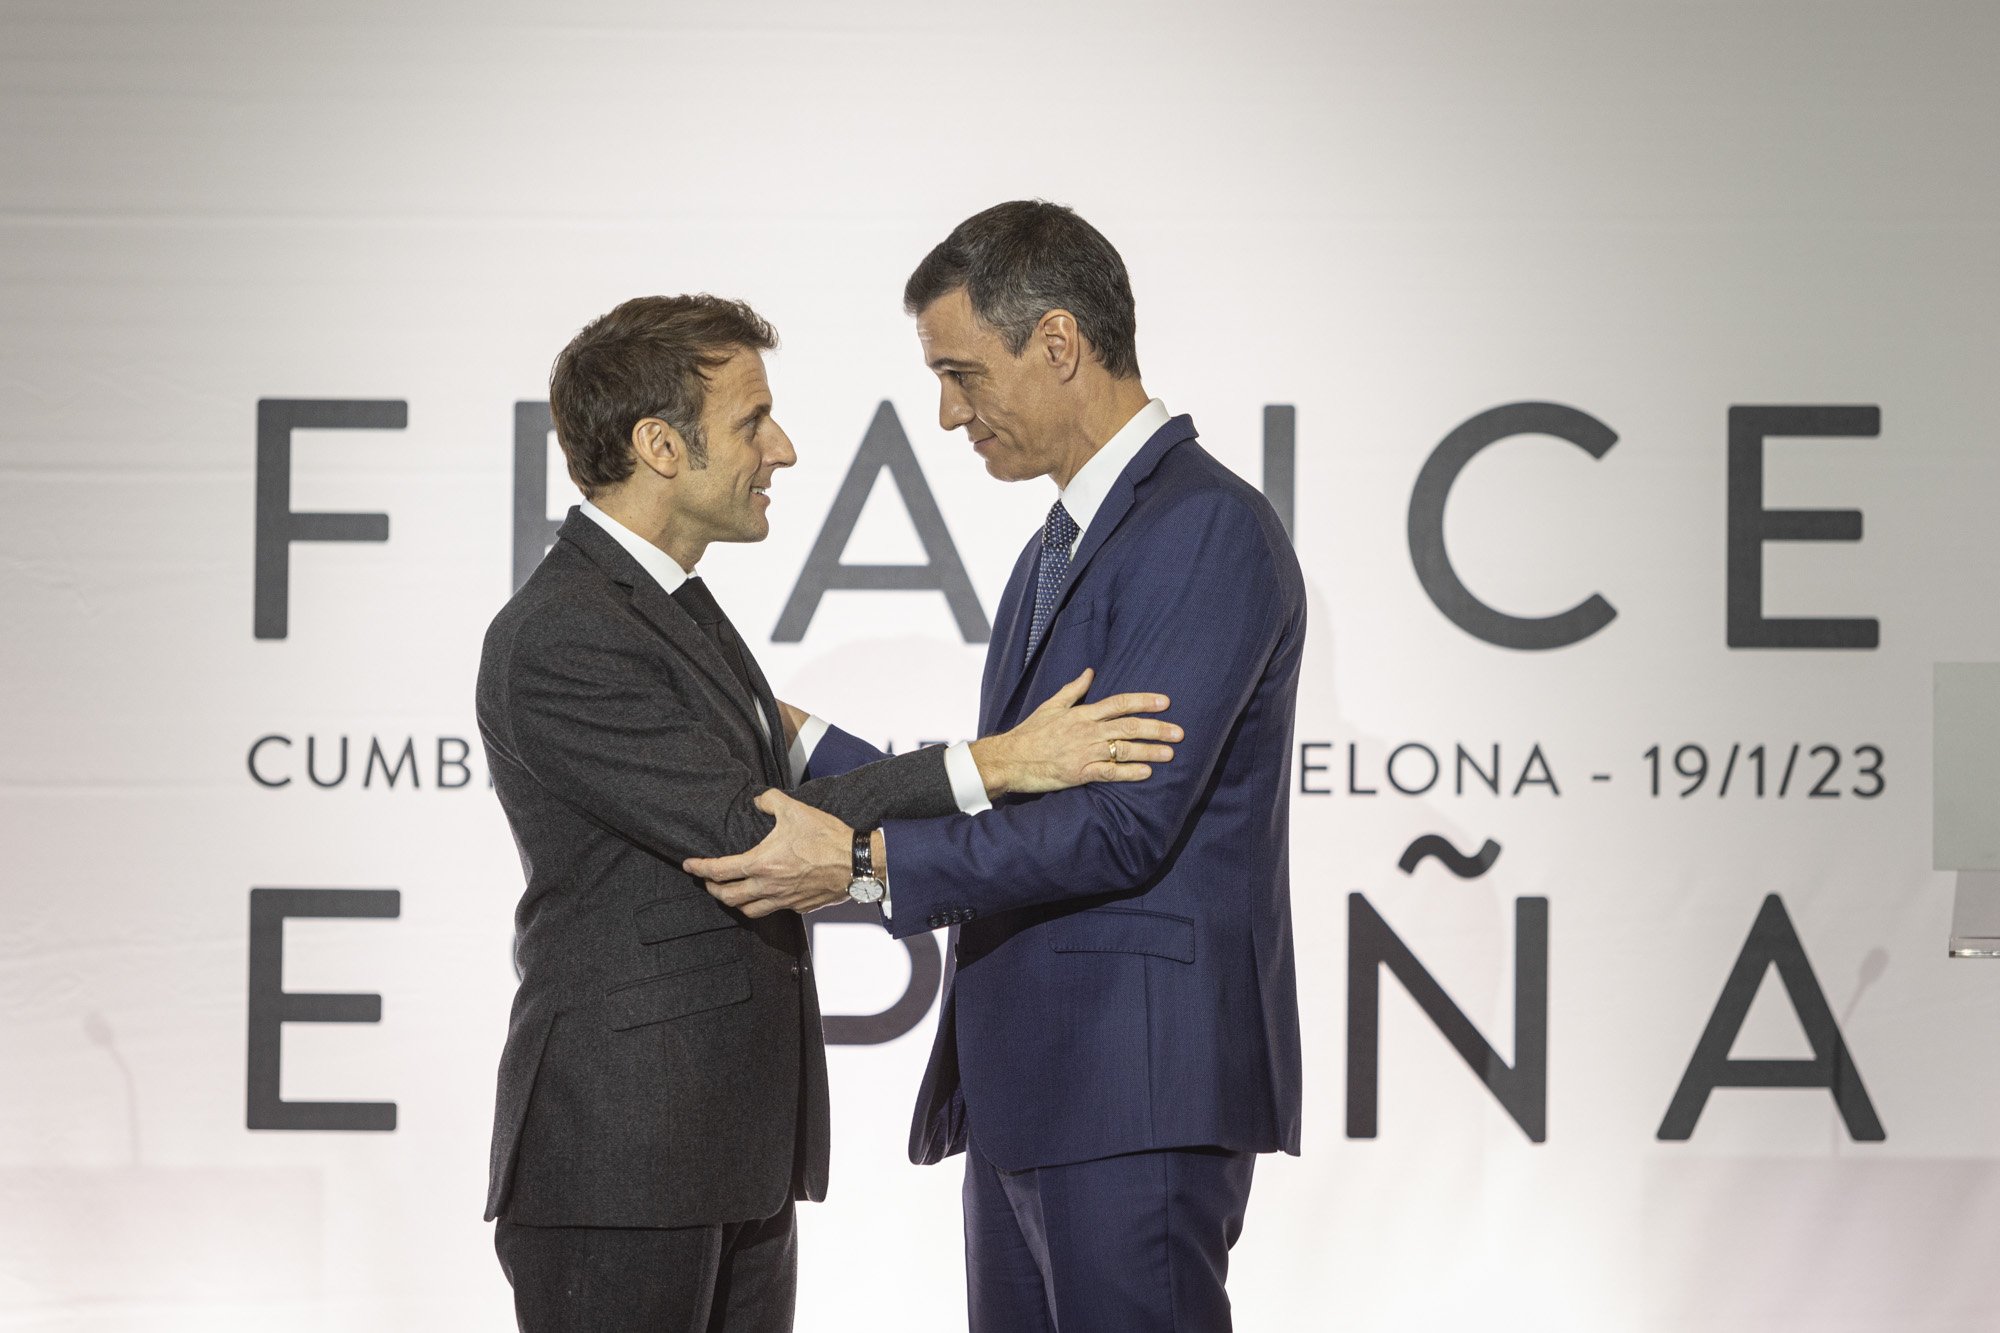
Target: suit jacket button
[{"x": 795, "y": 969}]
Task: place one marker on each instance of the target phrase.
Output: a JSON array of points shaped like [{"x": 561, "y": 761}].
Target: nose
[
  {"x": 780, "y": 452},
  {"x": 953, "y": 410}
]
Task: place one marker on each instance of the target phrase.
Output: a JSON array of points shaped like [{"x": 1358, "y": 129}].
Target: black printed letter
[
  {"x": 272, "y": 1006},
  {"x": 884, "y": 448},
  {"x": 1522, "y": 1089},
  {"x": 1751, "y": 525},
  {"x": 1426, "y": 527},
  {"x": 277, "y": 525}
]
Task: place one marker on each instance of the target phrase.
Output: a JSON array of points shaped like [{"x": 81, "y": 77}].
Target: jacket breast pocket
[
  {"x": 658, "y": 999},
  {"x": 1075, "y": 623},
  {"x": 1124, "y": 930}
]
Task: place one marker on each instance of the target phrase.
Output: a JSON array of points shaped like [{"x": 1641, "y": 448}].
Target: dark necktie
[
  {"x": 1057, "y": 535},
  {"x": 700, "y": 604}
]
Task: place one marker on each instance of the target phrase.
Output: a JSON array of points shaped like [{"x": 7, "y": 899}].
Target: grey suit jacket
[{"x": 664, "y": 1065}]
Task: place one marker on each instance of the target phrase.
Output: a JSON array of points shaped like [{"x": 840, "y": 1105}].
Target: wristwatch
[{"x": 865, "y": 887}]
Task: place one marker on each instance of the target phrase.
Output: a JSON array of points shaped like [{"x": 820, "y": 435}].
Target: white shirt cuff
[
  {"x": 967, "y": 787},
  {"x": 811, "y": 732}
]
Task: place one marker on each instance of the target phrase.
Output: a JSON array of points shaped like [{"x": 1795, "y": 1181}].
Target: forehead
[
  {"x": 738, "y": 380},
  {"x": 949, "y": 330}
]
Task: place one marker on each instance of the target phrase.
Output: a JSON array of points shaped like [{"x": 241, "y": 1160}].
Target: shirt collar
[
  {"x": 1084, "y": 495},
  {"x": 665, "y": 571}
]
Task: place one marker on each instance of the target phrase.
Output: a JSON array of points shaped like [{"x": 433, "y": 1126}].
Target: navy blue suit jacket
[{"x": 1123, "y": 973}]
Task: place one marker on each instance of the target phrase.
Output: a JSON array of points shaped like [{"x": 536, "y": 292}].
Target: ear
[
  {"x": 1059, "y": 344},
  {"x": 658, "y": 446}
]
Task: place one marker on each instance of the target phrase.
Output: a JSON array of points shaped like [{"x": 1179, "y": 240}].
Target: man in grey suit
[{"x": 662, "y": 1093}]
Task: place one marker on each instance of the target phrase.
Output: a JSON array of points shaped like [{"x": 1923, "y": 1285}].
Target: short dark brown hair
[
  {"x": 650, "y": 357},
  {"x": 1017, "y": 261}
]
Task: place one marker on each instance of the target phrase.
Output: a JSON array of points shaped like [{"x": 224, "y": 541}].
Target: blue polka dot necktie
[{"x": 1058, "y": 534}]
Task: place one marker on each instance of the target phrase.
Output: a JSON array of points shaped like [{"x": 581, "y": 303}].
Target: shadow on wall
[{"x": 142, "y": 1244}]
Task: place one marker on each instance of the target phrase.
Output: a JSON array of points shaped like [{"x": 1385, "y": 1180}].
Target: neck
[
  {"x": 651, "y": 516},
  {"x": 1103, "y": 417}
]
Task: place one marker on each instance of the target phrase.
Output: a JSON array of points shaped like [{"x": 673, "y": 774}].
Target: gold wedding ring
[{"x": 1114, "y": 750}]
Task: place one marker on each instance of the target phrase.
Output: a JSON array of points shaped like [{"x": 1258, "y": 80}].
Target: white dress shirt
[
  {"x": 666, "y": 571},
  {"x": 967, "y": 787},
  {"x": 1084, "y": 495}
]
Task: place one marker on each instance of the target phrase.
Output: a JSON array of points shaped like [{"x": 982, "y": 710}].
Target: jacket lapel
[
  {"x": 1117, "y": 503},
  {"x": 659, "y": 610},
  {"x": 1010, "y": 640}
]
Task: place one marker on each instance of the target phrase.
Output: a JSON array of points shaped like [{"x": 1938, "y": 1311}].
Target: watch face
[{"x": 865, "y": 890}]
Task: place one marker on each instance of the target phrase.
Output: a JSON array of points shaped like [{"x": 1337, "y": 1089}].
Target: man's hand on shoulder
[{"x": 803, "y": 864}]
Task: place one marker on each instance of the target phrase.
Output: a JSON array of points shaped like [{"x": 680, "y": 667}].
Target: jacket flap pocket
[
  {"x": 1072, "y": 616},
  {"x": 1125, "y": 930},
  {"x": 671, "y": 918},
  {"x": 660, "y": 998}
]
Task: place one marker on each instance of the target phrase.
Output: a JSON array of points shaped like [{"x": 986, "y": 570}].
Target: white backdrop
[{"x": 1390, "y": 216}]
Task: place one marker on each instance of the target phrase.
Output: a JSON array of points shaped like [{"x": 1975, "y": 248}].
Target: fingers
[
  {"x": 1070, "y": 693},
  {"x": 749, "y": 897},
  {"x": 1118, "y": 705},
  {"x": 756, "y": 898},
  {"x": 1135, "y": 752},
  {"x": 1140, "y": 729},
  {"x": 719, "y": 868},
  {"x": 731, "y": 893},
  {"x": 772, "y": 802},
  {"x": 1106, "y": 771}
]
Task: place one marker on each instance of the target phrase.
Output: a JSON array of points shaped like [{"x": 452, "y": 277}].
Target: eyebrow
[{"x": 953, "y": 363}]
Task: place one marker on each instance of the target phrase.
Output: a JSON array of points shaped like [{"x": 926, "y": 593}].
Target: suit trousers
[
  {"x": 1127, "y": 1244},
  {"x": 737, "y": 1277}
]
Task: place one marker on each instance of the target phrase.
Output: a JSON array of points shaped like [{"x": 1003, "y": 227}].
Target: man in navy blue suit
[{"x": 1119, "y": 1035}]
